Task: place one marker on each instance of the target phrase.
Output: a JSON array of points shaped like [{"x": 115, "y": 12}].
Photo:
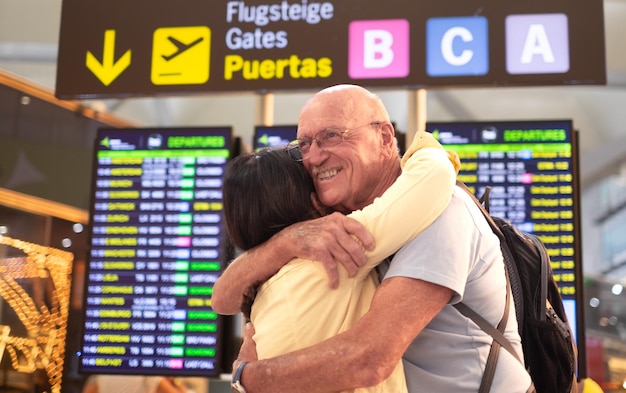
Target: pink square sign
[{"x": 378, "y": 49}]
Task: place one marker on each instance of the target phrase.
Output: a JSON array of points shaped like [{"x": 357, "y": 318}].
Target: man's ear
[
  {"x": 321, "y": 209},
  {"x": 388, "y": 136},
  {"x": 388, "y": 132}
]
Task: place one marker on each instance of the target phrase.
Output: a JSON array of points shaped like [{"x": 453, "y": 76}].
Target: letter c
[{"x": 446, "y": 46}]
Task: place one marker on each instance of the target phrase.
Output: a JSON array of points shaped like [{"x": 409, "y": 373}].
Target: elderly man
[{"x": 411, "y": 316}]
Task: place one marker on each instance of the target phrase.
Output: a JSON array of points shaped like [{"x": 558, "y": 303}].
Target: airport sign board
[{"x": 118, "y": 48}]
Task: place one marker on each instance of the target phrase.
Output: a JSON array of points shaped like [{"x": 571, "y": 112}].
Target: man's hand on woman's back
[{"x": 332, "y": 240}]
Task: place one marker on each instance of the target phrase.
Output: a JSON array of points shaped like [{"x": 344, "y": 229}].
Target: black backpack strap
[
  {"x": 544, "y": 275},
  {"x": 479, "y": 202},
  {"x": 488, "y": 328},
  {"x": 496, "y": 333},
  {"x": 484, "y": 199}
]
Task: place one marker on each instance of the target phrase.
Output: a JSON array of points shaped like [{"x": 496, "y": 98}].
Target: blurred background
[{"x": 29, "y": 33}]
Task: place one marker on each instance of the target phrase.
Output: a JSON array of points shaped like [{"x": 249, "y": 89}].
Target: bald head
[
  {"x": 342, "y": 105},
  {"x": 348, "y": 175}
]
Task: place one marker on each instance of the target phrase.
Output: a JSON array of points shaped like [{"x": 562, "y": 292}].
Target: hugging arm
[
  {"x": 330, "y": 240},
  {"x": 412, "y": 203},
  {"x": 362, "y": 356}
]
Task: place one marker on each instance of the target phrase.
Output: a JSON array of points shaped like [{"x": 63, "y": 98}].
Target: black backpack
[{"x": 550, "y": 353}]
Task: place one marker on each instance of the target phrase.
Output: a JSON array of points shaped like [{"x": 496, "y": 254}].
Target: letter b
[
  {"x": 377, "y": 52},
  {"x": 378, "y": 49}
]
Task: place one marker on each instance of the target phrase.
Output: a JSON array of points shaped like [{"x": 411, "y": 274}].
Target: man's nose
[
  {"x": 317, "y": 143},
  {"x": 317, "y": 153}
]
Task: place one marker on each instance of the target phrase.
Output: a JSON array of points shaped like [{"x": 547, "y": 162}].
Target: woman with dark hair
[{"x": 267, "y": 191}]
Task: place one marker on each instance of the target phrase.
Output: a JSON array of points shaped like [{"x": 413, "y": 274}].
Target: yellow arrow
[{"x": 109, "y": 69}]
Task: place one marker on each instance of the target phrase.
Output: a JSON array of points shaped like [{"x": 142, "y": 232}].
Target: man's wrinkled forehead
[
  {"x": 312, "y": 123},
  {"x": 325, "y": 111},
  {"x": 310, "y": 129}
]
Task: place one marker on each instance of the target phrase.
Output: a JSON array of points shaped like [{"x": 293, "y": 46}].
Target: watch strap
[{"x": 237, "y": 376}]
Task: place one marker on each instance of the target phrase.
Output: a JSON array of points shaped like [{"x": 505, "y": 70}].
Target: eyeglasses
[{"x": 332, "y": 136}]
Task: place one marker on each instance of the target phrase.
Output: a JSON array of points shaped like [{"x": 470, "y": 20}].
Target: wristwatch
[{"x": 236, "y": 386}]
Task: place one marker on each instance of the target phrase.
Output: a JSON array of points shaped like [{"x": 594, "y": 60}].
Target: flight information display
[
  {"x": 531, "y": 168},
  {"x": 273, "y": 136},
  {"x": 156, "y": 251}
]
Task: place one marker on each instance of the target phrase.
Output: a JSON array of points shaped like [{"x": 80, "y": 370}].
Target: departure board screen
[
  {"x": 531, "y": 168},
  {"x": 273, "y": 136},
  {"x": 156, "y": 251}
]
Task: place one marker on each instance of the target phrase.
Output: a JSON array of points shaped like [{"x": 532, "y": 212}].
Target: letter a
[{"x": 537, "y": 44}]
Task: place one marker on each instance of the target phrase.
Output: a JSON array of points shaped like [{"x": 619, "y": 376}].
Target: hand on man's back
[{"x": 333, "y": 239}]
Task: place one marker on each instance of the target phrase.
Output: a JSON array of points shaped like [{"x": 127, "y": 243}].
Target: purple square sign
[{"x": 537, "y": 44}]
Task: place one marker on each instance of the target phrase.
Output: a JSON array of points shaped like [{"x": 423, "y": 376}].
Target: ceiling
[{"x": 29, "y": 32}]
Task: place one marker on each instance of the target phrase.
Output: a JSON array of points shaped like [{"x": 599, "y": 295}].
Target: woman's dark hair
[{"x": 263, "y": 193}]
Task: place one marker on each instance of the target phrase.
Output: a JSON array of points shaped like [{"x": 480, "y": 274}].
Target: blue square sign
[{"x": 457, "y": 46}]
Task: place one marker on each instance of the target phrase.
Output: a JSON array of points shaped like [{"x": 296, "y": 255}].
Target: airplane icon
[
  {"x": 181, "y": 47},
  {"x": 172, "y": 61}
]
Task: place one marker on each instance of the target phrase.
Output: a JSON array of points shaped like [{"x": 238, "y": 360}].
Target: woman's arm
[
  {"x": 414, "y": 200},
  {"x": 331, "y": 239},
  {"x": 411, "y": 204}
]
